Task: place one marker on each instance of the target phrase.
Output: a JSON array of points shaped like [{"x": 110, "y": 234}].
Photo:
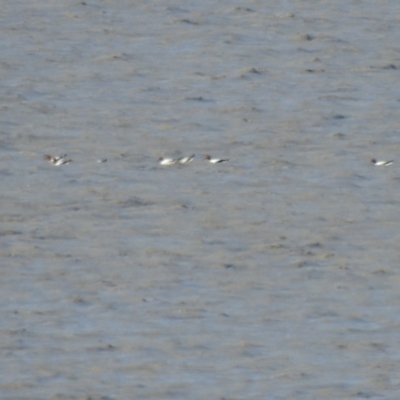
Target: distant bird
[
  {"x": 167, "y": 161},
  {"x": 57, "y": 160},
  {"x": 215, "y": 160},
  {"x": 102, "y": 160},
  {"x": 381, "y": 163},
  {"x": 186, "y": 160}
]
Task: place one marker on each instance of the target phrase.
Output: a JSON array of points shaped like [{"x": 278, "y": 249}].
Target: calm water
[{"x": 272, "y": 276}]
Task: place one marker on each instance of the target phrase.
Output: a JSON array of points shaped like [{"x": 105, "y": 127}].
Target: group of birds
[
  {"x": 61, "y": 160},
  {"x": 187, "y": 160}
]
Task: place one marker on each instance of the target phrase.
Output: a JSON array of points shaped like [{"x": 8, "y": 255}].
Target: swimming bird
[
  {"x": 186, "y": 160},
  {"x": 215, "y": 160},
  {"x": 381, "y": 163},
  {"x": 57, "y": 160},
  {"x": 167, "y": 161}
]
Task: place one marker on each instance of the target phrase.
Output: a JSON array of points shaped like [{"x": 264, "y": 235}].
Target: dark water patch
[
  {"x": 54, "y": 236},
  {"x": 251, "y": 71},
  {"x": 368, "y": 395},
  {"x": 388, "y": 66},
  {"x": 43, "y": 108},
  {"x": 244, "y": 9},
  {"x": 335, "y": 117},
  {"x": 135, "y": 202},
  {"x": 235, "y": 266},
  {"x": 304, "y": 37},
  {"x": 381, "y": 271},
  {"x": 314, "y": 71},
  {"x": 243, "y": 109},
  {"x": 200, "y": 99},
  {"x": 105, "y": 347},
  {"x": 9, "y": 232},
  {"x": 188, "y": 21},
  {"x": 116, "y": 57},
  {"x": 79, "y": 300},
  {"x": 176, "y": 9},
  {"x": 13, "y": 218},
  {"x": 315, "y": 245},
  {"x": 339, "y": 135}
]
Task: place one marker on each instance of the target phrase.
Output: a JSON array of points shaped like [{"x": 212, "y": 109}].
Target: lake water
[{"x": 272, "y": 276}]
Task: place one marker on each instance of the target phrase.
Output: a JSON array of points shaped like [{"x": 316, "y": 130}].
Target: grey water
[{"x": 272, "y": 276}]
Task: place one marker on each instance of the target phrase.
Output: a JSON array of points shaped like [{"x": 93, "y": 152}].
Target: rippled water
[{"x": 271, "y": 276}]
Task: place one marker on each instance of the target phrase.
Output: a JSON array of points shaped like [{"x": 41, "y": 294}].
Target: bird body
[
  {"x": 215, "y": 160},
  {"x": 186, "y": 160},
  {"x": 381, "y": 163},
  {"x": 57, "y": 160},
  {"x": 167, "y": 161}
]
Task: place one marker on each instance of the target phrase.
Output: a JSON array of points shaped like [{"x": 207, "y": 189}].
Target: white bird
[
  {"x": 381, "y": 163},
  {"x": 167, "y": 161},
  {"x": 57, "y": 160},
  {"x": 215, "y": 160},
  {"x": 186, "y": 160}
]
